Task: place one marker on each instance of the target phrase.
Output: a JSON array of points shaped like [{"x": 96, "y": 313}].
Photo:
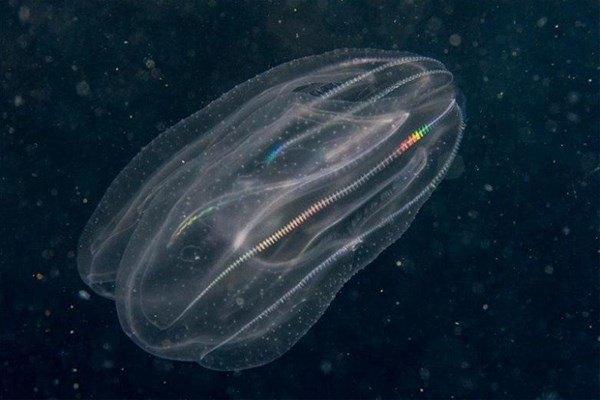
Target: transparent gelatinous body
[{"x": 229, "y": 235}]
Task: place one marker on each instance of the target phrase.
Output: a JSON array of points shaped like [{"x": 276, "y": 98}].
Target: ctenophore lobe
[{"x": 229, "y": 235}]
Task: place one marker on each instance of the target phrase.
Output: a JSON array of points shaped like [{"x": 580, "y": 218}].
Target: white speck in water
[
  {"x": 150, "y": 64},
  {"x": 455, "y": 40},
  {"x": 24, "y": 13},
  {"x": 83, "y": 89},
  {"x": 84, "y": 295},
  {"x": 541, "y": 22},
  {"x": 326, "y": 367}
]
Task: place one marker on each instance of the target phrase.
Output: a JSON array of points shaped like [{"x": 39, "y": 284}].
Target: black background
[{"x": 497, "y": 292}]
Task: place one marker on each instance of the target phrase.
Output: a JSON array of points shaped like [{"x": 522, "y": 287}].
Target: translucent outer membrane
[{"x": 229, "y": 235}]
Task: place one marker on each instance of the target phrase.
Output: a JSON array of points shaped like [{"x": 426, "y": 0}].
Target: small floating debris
[{"x": 84, "y": 295}]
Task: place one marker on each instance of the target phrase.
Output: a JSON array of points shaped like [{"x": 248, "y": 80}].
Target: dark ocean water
[{"x": 496, "y": 294}]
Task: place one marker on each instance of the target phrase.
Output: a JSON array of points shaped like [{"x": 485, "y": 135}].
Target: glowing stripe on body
[{"x": 327, "y": 201}]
